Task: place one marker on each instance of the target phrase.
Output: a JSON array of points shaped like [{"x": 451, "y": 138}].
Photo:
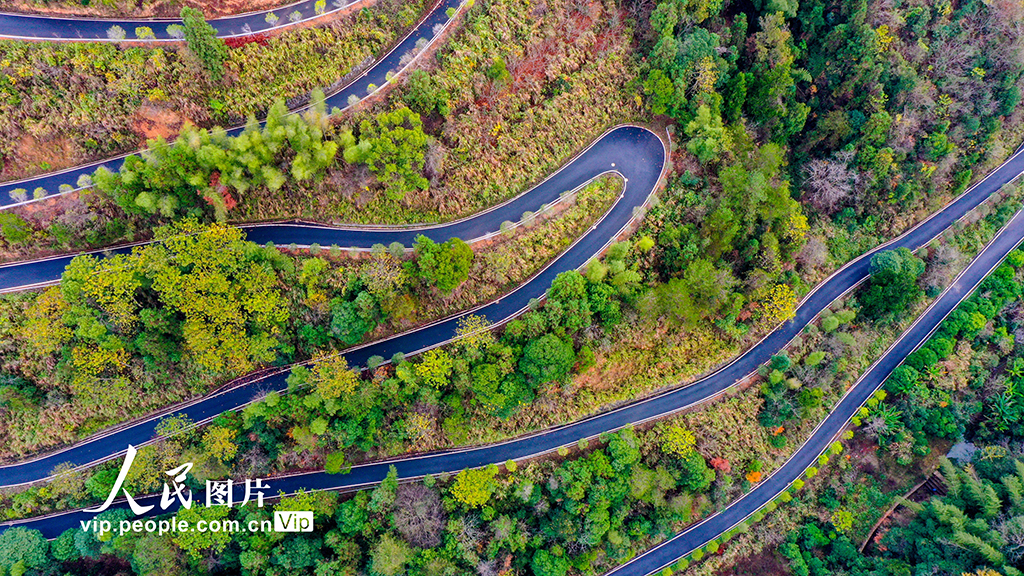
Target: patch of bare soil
[
  {"x": 605, "y": 374},
  {"x": 34, "y": 155},
  {"x": 45, "y": 210},
  {"x": 152, "y": 121},
  {"x": 141, "y": 8},
  {"x": 766, "y": 563},
  {"x": 41, "y": 213}
]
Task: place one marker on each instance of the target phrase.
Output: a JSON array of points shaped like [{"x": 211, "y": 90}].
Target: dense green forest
[{"x": 977, "y": 528}]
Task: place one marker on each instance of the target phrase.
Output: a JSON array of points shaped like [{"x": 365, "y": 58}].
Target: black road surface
[{"x": 44, "y": 27}]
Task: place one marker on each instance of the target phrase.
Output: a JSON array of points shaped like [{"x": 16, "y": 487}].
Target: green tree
[
  {"x": 474, "y": 488},
  {"x": 624, "y": 449},
  {"x": 567, "y": 302},
  {"x": 701, "y": 293},
  {"x": 708, "y": 136},
  {"x": 694, "y": 473},
  {"x": 435, "y": 368},
  {"x": 351, "y": 320},
  {"x": 219, "y": 442},
  {"x": 334, "y": 463},
  {"x": 25, "y": 546},
  {"x": 231, "y": 302},
  {"x": 773, "y": 98},
  {"x": 14, "y": 228},
  {"x": 787, "y": 7},
  {"x": 893, "y": 285},
  {"x": 200, "y": 296},
  {"x": 660, "y": 90},
  {"x": 382, "y": 498},
  {"x": 203, "y": 43},
  {"x": 155, "y": 556},
  {"x": 63, "y": 548},
  {"x": 486, "y": 384},
  {"x": 497, "y": 71},
  {"x": 424, "y": 95},
  {"x": 545, "y": 563},
  {"x": 192, "y": 175},
  {"x": 736, "y": 96},
  {"x": 298, "y": 553},
  {"x": 898, "y": 261},
  {"x": 443, "y": 265},
  {"x": 547, "y": 359},
  {"x": 903, "y": 380},
  {"x": 332, "y": 377},
  {"x": 389, "y": 556},
  {"x": 719, "y": 230},
  {"x": 393, "y": 146},
  {"x": 677, "y": 440},
  {"x": 196, "y": 542}
]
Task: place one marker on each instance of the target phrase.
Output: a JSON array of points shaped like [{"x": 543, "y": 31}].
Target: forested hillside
[{"x": 800, "y": 135}]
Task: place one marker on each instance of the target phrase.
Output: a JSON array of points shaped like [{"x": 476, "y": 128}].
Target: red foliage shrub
[
  {"x": 237, "y": 41},
  {"x": 720, "y": 464}
]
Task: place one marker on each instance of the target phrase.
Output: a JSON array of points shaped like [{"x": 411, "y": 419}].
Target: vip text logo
[{"x": 289, "y": 521}]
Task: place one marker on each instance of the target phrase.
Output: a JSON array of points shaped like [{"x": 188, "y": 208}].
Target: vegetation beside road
[
  {"x": 959, "y": 386},
  {"x": 529, "y": 120},
  {"x": 131, "y": 333},
  {"x": 140, "y": 8},
  {"x": 805, "y": 134},
  {"x": 64, "y": 104},
  {"x": 636, "y": 487},
  {"x": 664, "y": 475}
]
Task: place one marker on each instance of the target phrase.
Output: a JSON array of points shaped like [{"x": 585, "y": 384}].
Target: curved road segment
[
  {"x": 630, "y": 154},
  {"x": 638, "y": 156},
  {"x": 377, "y": 75},
  {"x": 44, "y": 27},
  {"x": 635, "y": 153}
]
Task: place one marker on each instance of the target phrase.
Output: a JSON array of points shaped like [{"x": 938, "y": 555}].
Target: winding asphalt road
[
  {"x": 629, "y": 162},
  {"x": 71, "y": 28},
  {"x": 635, "y": 154},
  {"x": 376, "y": 75}
]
